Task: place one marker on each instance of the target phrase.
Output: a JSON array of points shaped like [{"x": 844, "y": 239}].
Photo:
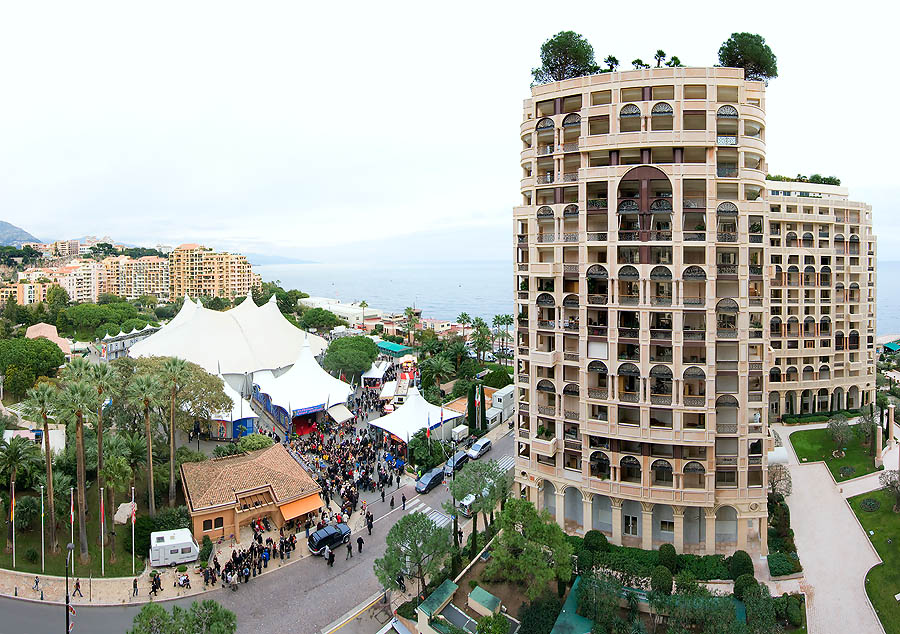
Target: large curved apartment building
[{"x": 671, "y": 301}]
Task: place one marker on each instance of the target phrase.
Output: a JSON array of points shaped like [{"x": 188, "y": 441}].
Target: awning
[
  {"x": 339, "y": 413},
  {"x": 301, "y": 506}
]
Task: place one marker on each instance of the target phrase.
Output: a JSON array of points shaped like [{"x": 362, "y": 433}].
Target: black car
[
  {"x": 429, "y": 480},
  {"x": 331, "y": 536},
  {"x": 456, "y": 462}
]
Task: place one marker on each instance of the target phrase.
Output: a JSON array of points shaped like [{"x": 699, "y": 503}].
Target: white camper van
[{"x": 171, "y": 548}]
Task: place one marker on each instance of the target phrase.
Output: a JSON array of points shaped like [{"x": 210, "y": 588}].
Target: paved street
[{"x": 305, "y": 596}]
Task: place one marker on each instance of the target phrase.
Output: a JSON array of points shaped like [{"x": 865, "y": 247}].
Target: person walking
[
  {"x": 359, "y": 543},
  {"x": 382, "y": 494},
  {"x": 134, "y": 587},
  {"x": 37, "y": 584},
  {"x": 403, "y": 501},
  {"x": 78, "y": 588},
  {"x": 369, "y": 522},
  {"x": 349, "y": 551},
  {"x": 327, "y": 555},
  {"x": 331, "y": 558},
  {"x": 392, "y": 502}
]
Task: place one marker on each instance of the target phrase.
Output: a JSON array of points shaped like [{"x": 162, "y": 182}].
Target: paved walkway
[{"x": 835, "y": 551}]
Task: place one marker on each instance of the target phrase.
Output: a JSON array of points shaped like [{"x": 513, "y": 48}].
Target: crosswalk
[{"x": 439, "y": 518}]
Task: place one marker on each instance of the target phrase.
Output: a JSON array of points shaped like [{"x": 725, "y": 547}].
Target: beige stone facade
[
  {"x": 670, "y": 303},
  {"x": 198, "y": 271},
  {"x": 133, "y": 277}
]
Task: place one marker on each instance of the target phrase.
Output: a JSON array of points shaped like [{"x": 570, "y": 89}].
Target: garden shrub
[
  {"x": 847, "y": 471},
  {"x": 596, "y": 542},
  {"x": 742, "y": 584},
  {"x": 408, "y": 610},
  {"x": 740, "y": 564},
  {"x": 704, "y": 567},
  {"x": 686, "y": 583},
  {"x": 205, "y": 550},
  {"x": 781, "y": 564},
  {"x": 539, "y": 616},
  {"x": 661, "y": 580},
  {"x": 584, "y": 561},
  {"x": 181, "y": 568},
  {"x": 780, "y": 604},
  {"x": 794, "y": 611},
  {"x": 870, "y": 504},
  {"x": 576, "y": 542},
  {"x": 668, "y": 557},
  {"x": 31, "y": 555}
]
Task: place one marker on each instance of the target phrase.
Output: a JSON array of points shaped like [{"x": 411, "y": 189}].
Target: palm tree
[
  {"x": 441, "y": 369},
  {"x": 175, "y": 373},
  {"x": 77, "y": 369},
  {"x": 134, "y": 450},
  {"x": 674, "y": 62},
  {"x": 18, "y": 453},
  {"x": 481, "y": 336},
  {"x": 659, "y": 57},
  {"x": 464, "y": 320},
  {"x": 40, "y": 401},
  {"x": 146, "y": 391},
  {"x": 103, "y": 377},
  {"x": 457, "y": 351},
  {"x": 78, "y": 399},
  {"x": 364, "y": 305},
  {"x": 506, "y": 321},
  {"x": 411, "y": 320},
  {"x": 116, "y": 473}
]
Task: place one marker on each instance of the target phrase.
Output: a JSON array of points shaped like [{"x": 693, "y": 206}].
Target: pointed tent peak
[
  {"x": 246, "y": 305},
  {"x": 187, "y": 298},
  {"x": 199, "y": 303},
  {"x": 273, "y": 300}
]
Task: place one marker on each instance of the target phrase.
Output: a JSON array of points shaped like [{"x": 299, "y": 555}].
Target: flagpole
[
  {"x": 132, "y": 531},
  {"x": 102, "y": 530},
  {"x": 72, "y": 522},
  {"x": 42, "y": 528}
]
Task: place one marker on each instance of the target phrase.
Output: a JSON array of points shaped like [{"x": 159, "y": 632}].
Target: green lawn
[
  {"x": 55, "y": 564},
  {"x": 883, "y": 581},
  {"x": 816, "y": 444}
]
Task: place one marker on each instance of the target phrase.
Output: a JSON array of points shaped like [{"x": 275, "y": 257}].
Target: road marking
[{"x": 354, "y": 613}]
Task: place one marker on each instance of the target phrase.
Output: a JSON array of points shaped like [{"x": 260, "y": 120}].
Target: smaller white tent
[
  {"x": 388, "y": 391},
  {"x": 414, "y": 415},
  {"x": 376, "y": 371},
  {"x": 305, "y": 387}
]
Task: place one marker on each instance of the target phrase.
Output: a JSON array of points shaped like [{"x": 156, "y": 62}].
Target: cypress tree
[
  {"x": 484, "y": 422},
  {"x": 471, "y": 417}
]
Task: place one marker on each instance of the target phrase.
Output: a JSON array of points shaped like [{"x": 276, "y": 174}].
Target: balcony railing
[
  {"x": 726, "y": 269},
  {"x": 659, "y": 333},
  {"x": 694, "y": 401},
  {"x": 629, "y": 333},
  {"x": 523, "y": 407},
  {"x": 596, "y": 236},
  {"x": 570, "y": 325},
  {"x": 571, "y": 236},
  {"x": 597, "y": 300},
  {"x": 572, "y": 414},
  {"x": 694, "y": 335},
  {"x": 544, "y": 149},
  {"x": 727, "y": 333},
  {"x": 546, "y": 237},
  {"x": 726, "y": 139},
  {"x": 694, "y": 203},
  {"x": 598, "y": 392},
  {"x": 629, "y": 300},
  {"x": 570, "y": 356},
  {"x": 660, "y": 399},
  {"x": 546, "y": 179},
  {"x": 523, "y": 238},
  {"x": 547, "y": 324},
  {"x": 695, "y": 236},
  {"x": 755, "y": 269},
  {"x": 629, "y": 236},
  {"x": 726, "y": 428},
  {"x": 661, "y": 300},
  {"x": 726, "y": 171},
  {"x": 694, "y": 301},
  {"x": 726, "y": 236},
  {"x": 597, "y": 331},
  {"x": 570, "y": 177},
  {"x": 545, "y": 410},
  {"x": 597, "y": 203},
  {"x": 727, "y": 461},
  {"x": 628, "y": 397},
  {"x": 756, "y": 238},
  {"x": 570, "y": 268},
  {"x": 523, "y": 378},
  {"x": 661, "y": 236},
  {"x": 570, "y": 147},
  {"x": 754, "y": 460}
]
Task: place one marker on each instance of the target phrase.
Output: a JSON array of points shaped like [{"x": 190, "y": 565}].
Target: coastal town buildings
[
  {"x": 671, "y": 302},
  {"x": 133, "y": 277},
  {"x": 198, "y": 271}
]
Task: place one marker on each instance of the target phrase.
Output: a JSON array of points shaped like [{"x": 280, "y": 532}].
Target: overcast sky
[{"x": 293, "y": 128}]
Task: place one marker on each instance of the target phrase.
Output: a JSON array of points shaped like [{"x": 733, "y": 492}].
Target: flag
[{"x": 428, "y": 428}]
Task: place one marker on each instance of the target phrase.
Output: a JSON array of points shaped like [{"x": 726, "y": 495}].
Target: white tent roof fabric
[
  {"x": 304, "y": 386},
  {"x": 339, "y": 413},
  {"x": 388, "y": 390},
  {"x": 244, "y": 339},
  {"x": 376, "y": 371},
  {"x": 238, "y": 410},
  {"x": 413, "y": 415}
]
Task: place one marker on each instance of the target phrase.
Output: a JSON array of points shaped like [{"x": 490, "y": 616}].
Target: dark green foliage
[
  {"x": 686, "y": 583},
  {"x": 794, "y": 611},
  {"x": 320, "y": 319},
  {"x": 426, "y": 454},
  {"x": 740, "y": 564},
  {"x": 596, "y": 541},
  {"x": 471, "y": 416},
  {"x": 584, "y": 561},
  {"x": 760, "y": 609},
  {"x": 668, "y": 557},
  {"x": 742, "y": 583},
  {"x": 23, "y": 360},
  {"x": 165, "y": 520},
  {"x": 539, "y": 616},
  {"x": 498, "y": 379},
  {"x": 633, "y": 565},
  {"x": 598, "y": 600},
  {"x": 576, "y": 542},
  {"x": 661, "y": 580},
  {"x": 227, "y": 449},
  {"x": 408, "y": 610},
  {"x": 781, "y": 564},
  {"x": 205, "y": 550},
  {"x": 31, "y": 555},
  {"x": 565, "y": 55},
  {"x": 750, "y": 52},
  {"x": 781, "y": 606},
  {"x": 350, "y": 355},
  {"x": 870, "y": 505}
]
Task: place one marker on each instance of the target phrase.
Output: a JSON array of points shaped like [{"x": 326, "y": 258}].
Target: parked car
[
  {"x": 429, "y": 480},
  {"x": 332, "y": 535},
  {"x": 481, "y": 447},
  {"x": 489, "y": 357},
  {"x": 455, "y": 463}
]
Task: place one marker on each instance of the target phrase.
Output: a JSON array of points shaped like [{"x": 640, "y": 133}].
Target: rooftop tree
[
  {"x": 565, "y": 55},
  {"x": 750, "y": 52}
]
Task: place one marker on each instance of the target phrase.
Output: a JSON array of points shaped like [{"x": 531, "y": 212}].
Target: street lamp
[{"x": 70, "y": 547}]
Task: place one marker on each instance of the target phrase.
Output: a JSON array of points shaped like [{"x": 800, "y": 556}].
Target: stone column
[
  {"x": 763, "y": 524},
  {"x": 710, "y": 531},
  {"x": 891, "y": 425},
  {"x": 647, "y": 525},
  {"x": 587, "y": 518},
  {"x": 561, "y": 509},
  {"x": 741, "y": 532},
  {"x": 878, "y": 459},
  {"x": 678, "y": 516},
  {"x": 538, "y": 496},
  {"x": 616, "y": 507}
]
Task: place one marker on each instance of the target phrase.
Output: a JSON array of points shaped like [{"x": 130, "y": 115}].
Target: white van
[{"x": 171, "y": 548}]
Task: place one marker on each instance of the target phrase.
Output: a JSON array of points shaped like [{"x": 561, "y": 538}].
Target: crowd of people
[{"x": 246, "y": 563}]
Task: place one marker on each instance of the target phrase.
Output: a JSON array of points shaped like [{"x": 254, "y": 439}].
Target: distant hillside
[{"x": 13, "y": 236}]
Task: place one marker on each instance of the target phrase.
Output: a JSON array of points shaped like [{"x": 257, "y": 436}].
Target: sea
[{"x": 483, "y": 289}]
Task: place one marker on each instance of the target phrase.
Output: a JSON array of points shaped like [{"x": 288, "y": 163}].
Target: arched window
[
  {"x": 630, "y": 469},
  {"x": 693, "y": 372},
  {"x": 571, "y": 389},
  {"x": 727, "y": 112},
  {"x": 727, "y": 305},
  {"x": 628, "y": 369},
  {"x": 546, "y": 386},
  {"x": 661, "y": 108},
  {"x": 726, "y": 400},
  {"x": 572, "y": 119},
  {"x": 660, "y": 273},
  {"x": 629, "y": 110},
  {"x": 597, "y": 366},
  {"x": 694, "y": 273},
  {"x": 628, "y": 206},
  {"x": 545, "y": 299},
  {"x": 544, "y": 124},
  {"x": 727, "y": 209},
  {"x": 600, "y": 465},
  {"x": 661, "y": 372},
  {"x": 629, "y": 273},
  {"x": 597, "y": 271},
  {"x": 545, "y": 212}
]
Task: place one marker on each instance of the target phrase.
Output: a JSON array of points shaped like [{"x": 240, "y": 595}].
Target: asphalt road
[{"x": 303, "y": 597}]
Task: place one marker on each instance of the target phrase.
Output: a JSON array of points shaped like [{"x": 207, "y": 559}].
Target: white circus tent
[
  {"x": 415, "y": 414},
  {"x": 240, "y": 341}
]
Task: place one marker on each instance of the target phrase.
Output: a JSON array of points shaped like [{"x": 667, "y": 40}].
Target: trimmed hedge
[
  {"x": 408, "y": 610},
  {"x": 668, "y": 557},
  {"x": 742, "y": 584},
  {"x": 821, "y": 417},
  {"x": 781, "y": 564},
  {"x": 634, "y": 565},
  {"x": 740, "y": 564},
  {"x": 794, "y": 611},
  {"x": 596, "y": 542},
  {"x": 540, "y": 616},
  {"x": 661, "y": 580}
]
